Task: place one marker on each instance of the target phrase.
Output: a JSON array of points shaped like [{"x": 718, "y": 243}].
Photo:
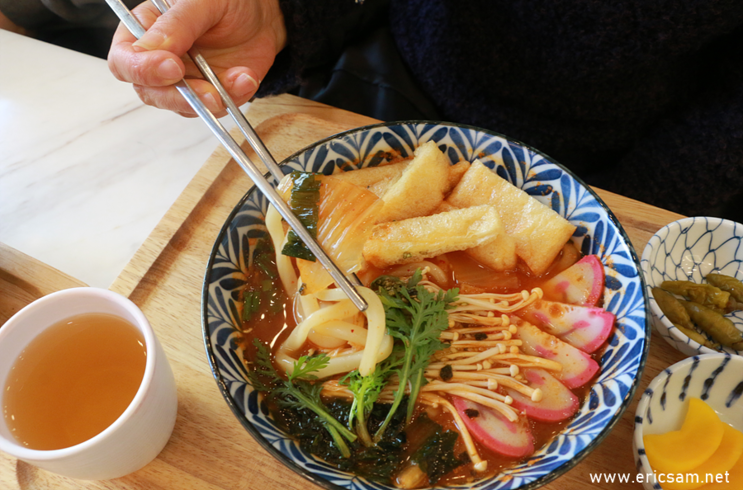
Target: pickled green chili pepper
[
  {"x": 727, "y": 283},
  {"x": 672, "y": 308},
  {"x": 696, "y": 336},
  {"x": 732, "y": 286},
  {"x": 703, "y": 294},
  {"x": 715, "y": 325},
  {"x": 733, "y": 305}
]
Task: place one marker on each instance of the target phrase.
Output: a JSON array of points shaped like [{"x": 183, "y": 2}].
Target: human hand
[{"x": 239, "y": 39}]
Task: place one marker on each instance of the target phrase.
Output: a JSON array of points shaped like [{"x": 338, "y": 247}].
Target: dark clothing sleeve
[
  {"x": 317, "y": 33},
  {"x": 41, "y": 14},
  {"x": 643, "y": 99},
  {"x": 86, "y": 26},
  {"x": 691, "y": 160},
  {"x": 27, "y": 13}
]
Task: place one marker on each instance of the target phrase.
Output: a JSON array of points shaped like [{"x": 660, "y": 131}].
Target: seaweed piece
[
  {"x": 262, "y": 289},
  {"x": 303, "y": 202},
  {"x": 298, "y": 391},
  {"x": 472, "y": 413},
  {"x": 446, "y": 373},
  {"x": 390, "y": 284},
  {"x": 251, "y": 303},
  {"x": 377, "y": 463},
  {"x": 382, "y": 462},
  {"x": 435, "y": 455}
]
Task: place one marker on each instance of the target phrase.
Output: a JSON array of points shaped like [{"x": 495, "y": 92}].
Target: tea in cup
[{"x": 87, "y": 390}]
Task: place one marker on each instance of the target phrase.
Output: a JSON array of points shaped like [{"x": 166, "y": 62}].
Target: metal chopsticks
[
  {"x": 131, "y": 23},
  {"x": 236, "y": 114}
]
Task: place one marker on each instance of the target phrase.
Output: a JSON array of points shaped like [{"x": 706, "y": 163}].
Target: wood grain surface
[
  {"x": 24, "y": 279},
  {"x": 209, "y": 448}
]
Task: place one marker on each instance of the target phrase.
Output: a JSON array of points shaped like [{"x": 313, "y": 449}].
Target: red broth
[{"x": 471, "y": 277}]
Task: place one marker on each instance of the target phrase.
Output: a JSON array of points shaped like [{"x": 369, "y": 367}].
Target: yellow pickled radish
[
  {"x": 733, "y": 480},
  {"x": 681, "y": 450},
  {"x": 728, "y": 453}
]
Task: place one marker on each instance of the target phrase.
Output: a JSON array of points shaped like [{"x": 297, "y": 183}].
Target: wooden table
[{"x": 209, "y": 448}]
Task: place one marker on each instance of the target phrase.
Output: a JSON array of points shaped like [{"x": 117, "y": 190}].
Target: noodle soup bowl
[{"x": 597, "y": 232}]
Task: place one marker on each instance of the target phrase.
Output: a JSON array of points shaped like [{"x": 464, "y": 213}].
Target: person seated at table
[
  {"x": 641, "y": 98},
  {"x": 86, "y": 26}
]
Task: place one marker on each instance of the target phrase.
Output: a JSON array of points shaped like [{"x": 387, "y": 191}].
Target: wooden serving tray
[{"x": 209, "y": 448}]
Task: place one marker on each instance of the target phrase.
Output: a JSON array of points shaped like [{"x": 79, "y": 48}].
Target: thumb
[{"x": 178, "y": 28}]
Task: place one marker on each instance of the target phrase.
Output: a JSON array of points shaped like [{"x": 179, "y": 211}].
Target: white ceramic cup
[{"x": 139, "y": 434}]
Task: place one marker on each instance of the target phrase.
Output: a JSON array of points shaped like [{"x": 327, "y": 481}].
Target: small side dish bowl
[
  {"x": 716, "y": 379},
  {"x": 598, "y": 232},
  {"x": 689, "y": 249}
]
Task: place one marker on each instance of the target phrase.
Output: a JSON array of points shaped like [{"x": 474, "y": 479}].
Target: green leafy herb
[
  {"x": 298, "y": 391},
  {"x": 416, "y": 317},
  {"x": 305, "y": 196},
  {"x": 366, "y": 391}
]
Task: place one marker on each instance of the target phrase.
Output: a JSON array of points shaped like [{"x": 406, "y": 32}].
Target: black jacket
[{"x": 641, "y": 98}]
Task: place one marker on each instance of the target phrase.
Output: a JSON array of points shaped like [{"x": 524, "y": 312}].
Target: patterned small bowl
[
  {"x": 689, "y": 249},
  {"x": 598, "y": 232},
  {"x": 716, "y": 379}
]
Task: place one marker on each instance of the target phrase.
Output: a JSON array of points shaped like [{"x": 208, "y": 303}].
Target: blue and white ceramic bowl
[
  {"x": 716, "y": 379},
  {"x": 689, "y": 249},
  {"x": 598, "y": 232}
]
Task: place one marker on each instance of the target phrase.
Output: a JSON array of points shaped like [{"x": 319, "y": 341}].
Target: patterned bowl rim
[
  {"x": 644, "y": 403},
  {"x": 323, "y": 483},
  {"x": 654, "y": 309}
]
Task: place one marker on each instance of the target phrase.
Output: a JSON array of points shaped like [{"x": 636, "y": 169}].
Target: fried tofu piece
[
  {"x": 421, "y": 187},
  {"x": 379, "y": 179},
  {"x": 539, "y": 232},
  {"x": 380, "y": 188},
  {"x": 456, "y": 172},
  {"x": 415, "y": 239},
  {"x": 498, "y": 254},
  {"x": 365, "y": 177}
]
